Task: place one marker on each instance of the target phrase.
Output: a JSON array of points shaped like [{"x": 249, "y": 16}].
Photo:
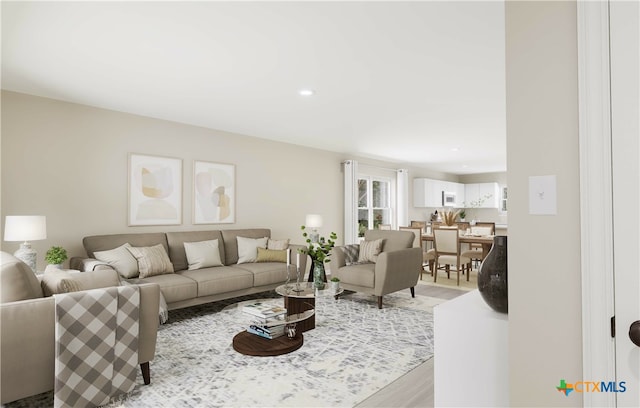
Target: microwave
[{"x": 448, "y": 199}]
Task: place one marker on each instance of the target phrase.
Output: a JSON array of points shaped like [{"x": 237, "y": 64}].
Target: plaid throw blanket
[{"x": 96, "y": 345}]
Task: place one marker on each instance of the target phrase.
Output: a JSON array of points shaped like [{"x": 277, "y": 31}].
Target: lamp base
[{"x": 27, "y": 255}]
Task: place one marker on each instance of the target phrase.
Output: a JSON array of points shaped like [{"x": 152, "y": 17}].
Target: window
[{"x": 374, "y": 203}]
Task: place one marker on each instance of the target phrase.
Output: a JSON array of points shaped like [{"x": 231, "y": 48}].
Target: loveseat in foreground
[
  {"x": 235, "y": 272},
  {"x": 27, "y": 335}
]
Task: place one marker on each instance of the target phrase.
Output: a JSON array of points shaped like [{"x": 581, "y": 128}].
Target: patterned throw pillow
[
  {"x": 152, "y": 260},
  {"x": 350, "y": 253},
  {"x": 369, "y": 250}
]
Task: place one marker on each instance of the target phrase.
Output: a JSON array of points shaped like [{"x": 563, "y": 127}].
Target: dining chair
[
  {"x": 419, "y": 224},
  {"x": 475, "y": 252},
  {"x": 417, "y": 243},
  {"x": 385, "y": 227},
  {"x": 446, "y": 242}
]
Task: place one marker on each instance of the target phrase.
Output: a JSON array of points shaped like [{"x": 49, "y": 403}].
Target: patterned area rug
[{"x": 354, "y": 351}]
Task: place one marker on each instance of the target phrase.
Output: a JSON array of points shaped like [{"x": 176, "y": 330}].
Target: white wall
[
  {"x": 544, "y": 251},
  {"x": 69, "y": 162}
]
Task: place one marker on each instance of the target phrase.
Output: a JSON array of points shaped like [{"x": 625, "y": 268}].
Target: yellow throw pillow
[{"x": 271, "y": 255}]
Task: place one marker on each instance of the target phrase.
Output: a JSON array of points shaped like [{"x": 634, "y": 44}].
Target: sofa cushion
[
  {"x": 59, "y": 282},
  {"x": 176, "y": 242},
  {"x": 173, "y": 286},
  {"x": 369, "y": 250},
  {"x": 277, "y": 244},
  {"x": 17, "y": 280},
  {"x": 107, "y": 242},
  {"x": 202, "y": 254},
  {"x": 220, "y": 279},
  {"x": 248, "y": 248},
  {"x": 271, "y": 255},
  {"x": 231, "y": 243},
  {"x": 152, "y": 260},
  {"x": 120, "y": 259},
  {"x": 359, "y": 275},
  {"x": 267, "y": 273}
]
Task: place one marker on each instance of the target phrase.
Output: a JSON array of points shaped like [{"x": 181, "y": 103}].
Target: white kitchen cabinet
[
  {"x": 487, "y": 193},
  {"x": 428, "y": 192}
]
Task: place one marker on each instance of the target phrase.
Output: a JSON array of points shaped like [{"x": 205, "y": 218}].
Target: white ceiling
[{"x": 404, "y": 82}]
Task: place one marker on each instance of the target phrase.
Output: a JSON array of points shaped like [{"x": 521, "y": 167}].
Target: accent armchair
[
  {"x": 27, "y": 318},
  {"x": 394, "y": 266}
]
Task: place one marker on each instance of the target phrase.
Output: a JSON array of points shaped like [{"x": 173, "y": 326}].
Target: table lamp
[
  {"x": 25, "y": 228},
  {"x": 313, "y": 221}
]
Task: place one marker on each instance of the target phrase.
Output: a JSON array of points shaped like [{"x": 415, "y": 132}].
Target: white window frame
[{"x": 370, "y": 209}]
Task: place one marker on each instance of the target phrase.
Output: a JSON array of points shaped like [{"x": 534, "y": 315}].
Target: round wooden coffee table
[{"x": 254, "y": 345}]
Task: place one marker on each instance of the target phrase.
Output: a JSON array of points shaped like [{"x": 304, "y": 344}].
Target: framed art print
[
  {"x": 155, "y": 190},
  {"x": 214, "y": 195}
]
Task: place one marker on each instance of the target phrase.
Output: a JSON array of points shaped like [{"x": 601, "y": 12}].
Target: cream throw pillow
[
  {"x": 248, "y": 248},
  {"x": 277, "y": 244},
  {"x": 120, "y": 259},
  {"x": 369, "y": 250},
  {"x": 271, "y": 255},
  {"x": 152, "y": 260},
  {"x": 202, "y": 254}
]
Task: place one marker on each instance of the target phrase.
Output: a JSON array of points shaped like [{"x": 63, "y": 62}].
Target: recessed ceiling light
[
  {"x": 306, "y": 92},
  {"x": 455, "y": 149}
]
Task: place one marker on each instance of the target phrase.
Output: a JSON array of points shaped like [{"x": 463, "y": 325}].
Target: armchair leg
[
  {"x": 146, "y": 373},
  {"x": 379, "y": 302},
  {"x": 413, "y": 291}
]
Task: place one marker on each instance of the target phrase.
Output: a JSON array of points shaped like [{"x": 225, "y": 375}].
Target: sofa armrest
[
  {"x": 102, "y": 278},
  {"x": 338, "y": 259},
  {"x": 149, "y": 307},
  {"x": 27, "y": 346},
  {"x": 396, "y": 270},
  {"x": 87, "y": 264}
]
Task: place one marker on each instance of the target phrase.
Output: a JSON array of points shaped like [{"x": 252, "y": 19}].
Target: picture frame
[
  {"x": 155, "y": 190},
  {"x": 214, "y": 193}
]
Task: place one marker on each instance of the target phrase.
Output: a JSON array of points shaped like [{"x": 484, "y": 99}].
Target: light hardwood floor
[{"x": 415, "y": 388}]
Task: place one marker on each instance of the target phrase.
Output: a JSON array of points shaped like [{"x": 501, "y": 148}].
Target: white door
[{"x": 624, "y": 27}]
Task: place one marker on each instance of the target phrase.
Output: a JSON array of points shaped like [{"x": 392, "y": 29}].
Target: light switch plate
[{"x": 542, "y": 195}]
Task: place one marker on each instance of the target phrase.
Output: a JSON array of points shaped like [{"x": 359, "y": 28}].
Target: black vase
[{"x": 492, "y": 276}]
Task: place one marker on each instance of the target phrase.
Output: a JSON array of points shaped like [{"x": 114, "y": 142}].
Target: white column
[
  {"x": 350, "y": 202},
  {"x": 402, "y": 198}
]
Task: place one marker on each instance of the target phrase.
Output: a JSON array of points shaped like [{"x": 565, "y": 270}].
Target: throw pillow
[
  {"x": 271, "y": 255},
  {"x": 248, "y": 248},
  {"x": 369, "y": 250},
  {"x": 202, "y": 254},
  {"x": 351, "y": 253},
  {"x": 59, "y": 282},
  {"x": 277, "y": 244},
  {"x": 152, "y": 260},
  {"x": 120, "y": 259}
]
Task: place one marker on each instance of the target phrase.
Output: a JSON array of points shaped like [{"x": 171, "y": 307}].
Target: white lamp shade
[
  {"x": 313, "y": 221},
  {"x": 25, "y": 227}
]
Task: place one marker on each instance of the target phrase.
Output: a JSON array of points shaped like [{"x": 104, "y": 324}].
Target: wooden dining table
[{"x": 485, "y": 240}]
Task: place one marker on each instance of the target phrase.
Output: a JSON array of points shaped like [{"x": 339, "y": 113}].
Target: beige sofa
[
  {"x": 183, "y": 287},
  {"x": 397, "y": 266},
  {"x": 27, "y": 319}
]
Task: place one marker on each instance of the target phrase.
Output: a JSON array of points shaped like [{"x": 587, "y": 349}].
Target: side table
[
  {"x": 253, "y": 345},
  {"x": 298, "y": 301}
]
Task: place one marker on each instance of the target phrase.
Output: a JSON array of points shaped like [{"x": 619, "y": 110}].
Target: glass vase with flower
[{"x": 319, "y": 252}]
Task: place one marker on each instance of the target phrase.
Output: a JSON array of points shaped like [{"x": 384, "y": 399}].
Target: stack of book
[{"x": 268, "y": 320}]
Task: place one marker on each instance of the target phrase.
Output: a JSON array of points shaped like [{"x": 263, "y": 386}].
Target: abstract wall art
[
  {"x": 155, "y": 190},
  {"x": 213, "y": 193}
]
